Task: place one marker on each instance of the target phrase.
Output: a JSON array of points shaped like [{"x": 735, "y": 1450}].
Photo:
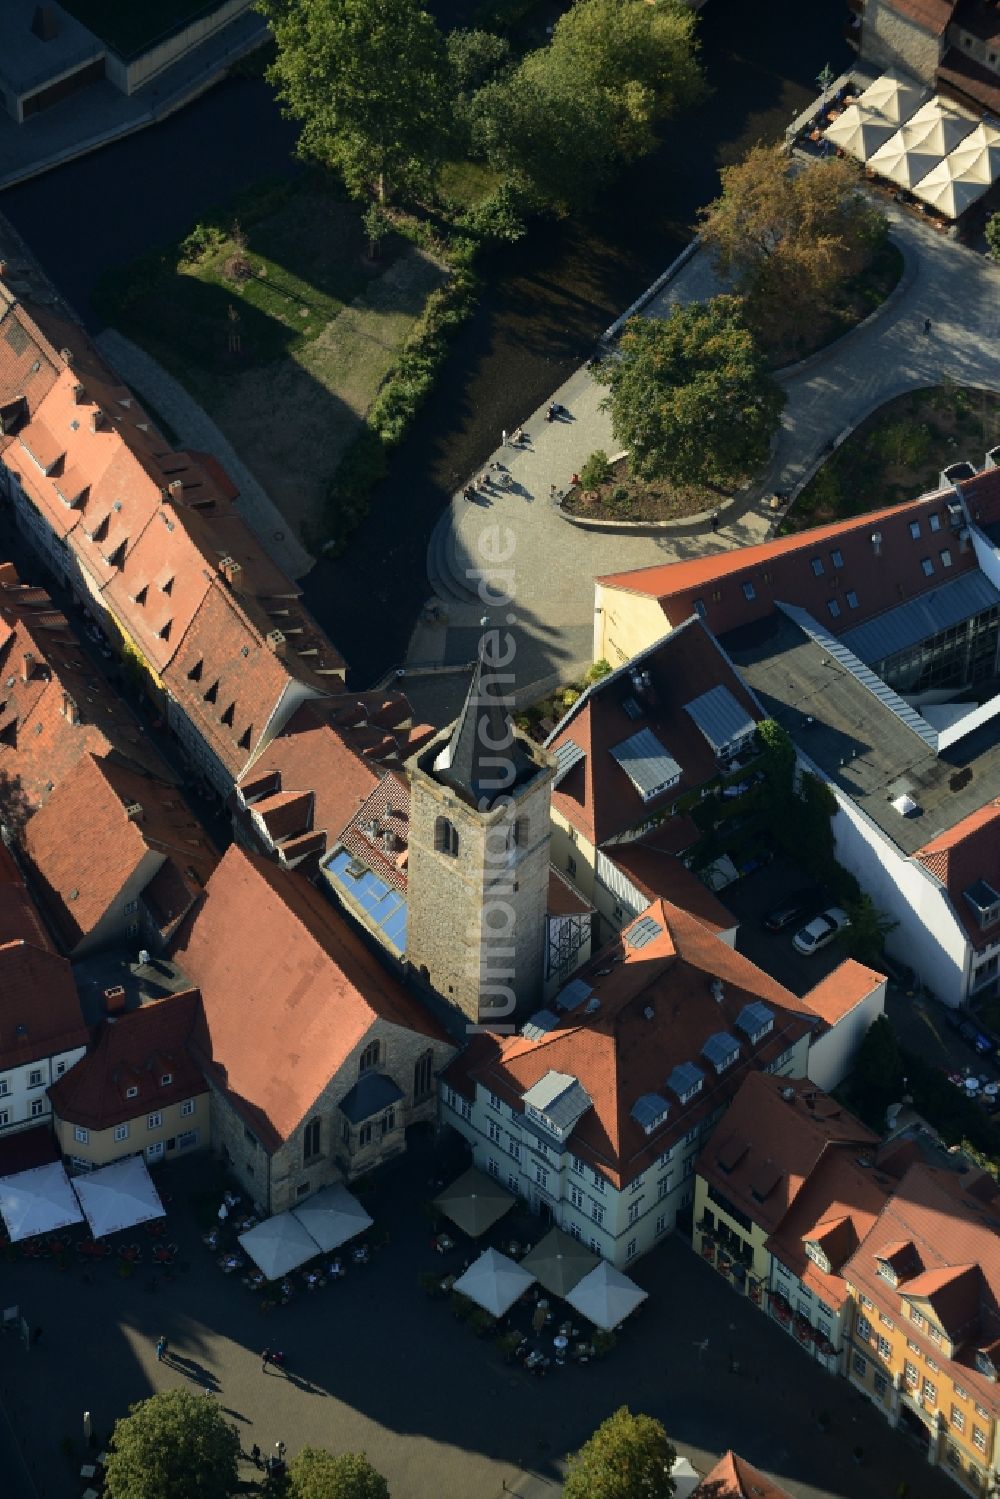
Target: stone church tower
[{"x": 478, "y": 862}]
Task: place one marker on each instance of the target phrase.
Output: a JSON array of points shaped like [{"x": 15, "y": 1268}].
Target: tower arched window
[
  {"x": 311, "y": 1141},
  {"x": 370, "y": 1057},
  {"x": 445, "y": 837}
]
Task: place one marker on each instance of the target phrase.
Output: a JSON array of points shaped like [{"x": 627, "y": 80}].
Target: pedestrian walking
[
  {"x": 503, "y": 438},
  {"x": 715, "y": 521},
  {"x": 223, "y": 1212},
  {"x": 88, "y": 1427},
  {"x": 161, "y": 1348},
  {"x": 279, "y": 1451},
  {"x": 255, "y": 1455},
  {"x": 278, "y": 1359},
  {"x": 552, "y": 491},
  {"x": 265, "y": 1359},
  {"x": 927, "y": 325},
  {"x": 36, "y": 1336}
]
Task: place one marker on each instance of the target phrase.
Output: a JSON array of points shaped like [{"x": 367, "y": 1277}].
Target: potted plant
[
  {"x": 508, "y": 1343},
  {"x": 603, "y": 1342}
]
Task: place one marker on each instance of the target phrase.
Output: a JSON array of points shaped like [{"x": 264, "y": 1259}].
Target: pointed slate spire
[{"x": 483, "y": 759}]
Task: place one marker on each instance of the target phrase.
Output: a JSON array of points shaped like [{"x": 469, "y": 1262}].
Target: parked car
[
  {"x": 821, "y": 931},
  {"x": 975, "y": 1037},
  {"x": 797, "y": 903}
]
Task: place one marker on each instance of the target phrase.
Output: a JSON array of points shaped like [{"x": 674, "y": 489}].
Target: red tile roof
[
  {"x": 960, "y": 856},
  {"x": 781, "y": 570},
  {"x": 930, "y": 15},
  {"x": 948, "y": 1228},
  {"x": 846, "y": 986},
  {"x": 596, "y": 795},
  {"x": 662, "y": 876},
  {"x": 40, "y": 1011},
  {"x": 835, "y": 1208},
  {"x": 23, "y": 346},
  {"x": 618, "y": 1051},
  {"x": 766, "y": 1148},
  {"x": 137, "y": 1051},
  {"x": 734, "y": 1478},
  {"x": 19, "y": 917},
  {"x": 379, "y": 832},
  {"x": 81, "y": 877},
  {"x": 54, "y": 706},
  {"x": 286, "y": 1004},
  {"x": 563, "y": 898}
]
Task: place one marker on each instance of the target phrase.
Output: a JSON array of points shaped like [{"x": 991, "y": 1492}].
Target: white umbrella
[
  {"x": 494, "y": 1282},
  {"x": 278, "y": 1245},
  {"x": 905, "y": 158},
  {"x": 949, "y": 188},
  {"x": 859, "y": 131},
  {"x": 895, "y": 97},
  {"x": 39, "y": 1201},
  {"x": 938, "y": 126},
  {"x": 332, "y": 1216},
  {"x": 118, "y": 1196},
  {"x": 605, "y": 1296},
  {"x": 979, "y": 152}
]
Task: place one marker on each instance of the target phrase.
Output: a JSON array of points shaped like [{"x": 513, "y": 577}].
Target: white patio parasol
[
  {"x": 950, "y": 188},
  {"x": 332, "y": 1216},
  {"x": 39, "y": 1201},
  {"x": 605, "y": 1296},
  {"x": 905, "y": 158},
  {"x": 494, "y": 1282},
  {"x": 938, "y": 126},
  {"x": 279, "y": 1244},
  {"x": 893, "y": 96},
  {"x": 118, "y": 1196},
  {"x": 859, "y": 131},
  {"x": 979, "y": 152}
]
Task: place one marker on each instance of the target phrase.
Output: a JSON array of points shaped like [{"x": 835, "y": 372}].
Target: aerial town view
[{"x": 499, "y": 749}]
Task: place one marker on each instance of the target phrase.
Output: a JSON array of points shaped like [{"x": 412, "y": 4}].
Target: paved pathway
[
  {"x": 196, "y": 429},
  {"x": 555, "y": 563}
]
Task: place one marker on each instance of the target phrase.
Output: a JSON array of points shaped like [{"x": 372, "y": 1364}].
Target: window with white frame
[
  {"x": 4, "y": 1087},
  {"x": 493, "y": 1168},
  {"x": 37, "y": 1108},
  {"x": 634, "y": 1209},
  {"x": 513, "y": 1148},
  {"x": 577, "y": 1165},
  {"x": 4, "y": 1117},
  {"x": 495, "y": 1102},
  {"x": 155, "y": 1120},
  {"x": 957, "y": 1418},
  {"x": 860, "y": 1365},
  {"x": 465, "y": 1109},
  {"x": 81, "y": 1135},
  {"x": 864, "y": 1329},
  {"x": 884, "y": 1348},
  {"x": 930, "y": 1392},
  {"x": 911, "y": 1374},
  {"x": 189, "y": 1137},
  {"x": 576, "y": 1197},
  {"x": 132, "y": 1091},
  {"x": 630, "y": 1249},
  {"x": 121, "y": 1132},
  {"x": 636, "y": 1185},
  {"x": 154, "y": 1152},
  {"x": 493, "y": 1130},
  {"x": 166, "y": 1079},
  {"x": 599, "y": 1183},
  {"x": 597, "y": 1214},
  {"x": 660, "y": 1226},
  {"x": 541, "y": 1177},
  {"x": 979, "y": 1438},
  {"x": 662, "y": 1187},
  {"x": 513, "y": 1182},
  {"x": 35, "y": 1077},
  {"x": 187, "y": 1108}
]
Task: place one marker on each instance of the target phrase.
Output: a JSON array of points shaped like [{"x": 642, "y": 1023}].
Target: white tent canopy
[
  {"x": 859, "y": 131},
  {"x": 605, "y": 1296},
  {"x": 494, "y": 1282},
  {"x": 949, "y": 188},
  {"x": 332, "y": 1216},
  {"x": 979, "y": 151},
  {"x": 278, "y": 1245},
  {"x": 118, "y": 1196},
  {"x": 39, "y": 1201},
  {"x": 893, "y": 96},
  {"x": 906, "y": 159},
  {"x": 937, "y": 126}
]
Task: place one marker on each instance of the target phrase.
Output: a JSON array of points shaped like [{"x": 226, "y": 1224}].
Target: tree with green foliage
[
  {"x": 868, "y": 930},
  {"x": 992, "y": 232},
  {"x": 316, "y": 1474},
  {"x": 370, "y": 84},
  {"x": 690, "y": 396},
  {"x": 628, "y": 1457},
  {"x": 790, "y": 235},
  {"x": 574, "y": 112},
  {"x": 173, "y": 1445},
  {"x": 878, "y": 1068},
  {"x": 474, "y": 57}
]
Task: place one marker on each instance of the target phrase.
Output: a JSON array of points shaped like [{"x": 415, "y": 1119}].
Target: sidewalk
[
  {"x": 554, "y": 564},
  {"x": 100, "y": 114}
]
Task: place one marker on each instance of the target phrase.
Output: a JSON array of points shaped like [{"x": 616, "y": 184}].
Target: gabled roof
[
  {"x": 40, "y": 1011},
  {"x": 662, "y": 876},
  {"x": 834, "y": 1209},
  {"x": 960, "y": 856},
  {"x": 782, "y": 570},
  {"x": 787, "y": 1127},
  {"x": 651, "y": 1009},
  {"x": 285, "y": 1005},
  {"x": 933, "y": 16},
  {"x": 118, "y": 819},
  {"x": 596, "y": 794},
  {"x": 845, "y": 987},
  {"x": 734, "y": 1478},
  {"x": 55, "y": 707},
  {"x": 133, "y": 1051}
]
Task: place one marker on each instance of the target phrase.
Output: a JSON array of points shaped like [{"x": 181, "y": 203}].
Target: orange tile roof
[
  {"x": 958, "y": 857},
  {"x": 55, "y": 707},
  {"x": 948, "y": 1228},
  {"x": 930, "y": 15},
  {"x": 286, "y": 1004},
  {"x": 845, "y": 987},
  {"x": 29, "y": 364},
  {"x": 618, "y": 1052},
  {"x": 39, "y": 1008},
  {"x": 835, "y": 1208},
  {"x": 135, "y": 1050},
  {"x": 81, "y": 877},
  {"x": 734, "y": 1478},
  {"x": 781, "y": 1141},
  {"x": 596, "y": 795},
  {"x": 379, "y": 832},
  {"x": 781, "y": 570},
  {"x": 19, "y": 917}
]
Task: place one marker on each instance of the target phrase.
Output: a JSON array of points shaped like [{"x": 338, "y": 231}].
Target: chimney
[
  {"x": 96, "y": 419},
  {"x": 230, "y": 570},
  {"x": 277, "y": 643},
  {"x": 70, "y": 709},
  {"x": 27, "y": 666},
  {"x": 175, "y": 489},
  {"x": 79, "y": 394},
  {"x": 114, "y": 999},
  {"x": 133, "y": 811}
]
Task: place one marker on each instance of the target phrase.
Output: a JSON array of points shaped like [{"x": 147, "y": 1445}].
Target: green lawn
[
  {"x": 129, "y": 26},
  {"x": 898, "y": 452}
]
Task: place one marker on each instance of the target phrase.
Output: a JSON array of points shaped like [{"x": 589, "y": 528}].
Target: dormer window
[
  {"x": 132, "y": 1092},
  {"x": 885, "y": 1270},
  {"x": 985, "y": 902},
  {"x": 818, "y": 1257},
  {"x": 166, "y": 1079},
  {"x": 985, "y": 1364}
]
